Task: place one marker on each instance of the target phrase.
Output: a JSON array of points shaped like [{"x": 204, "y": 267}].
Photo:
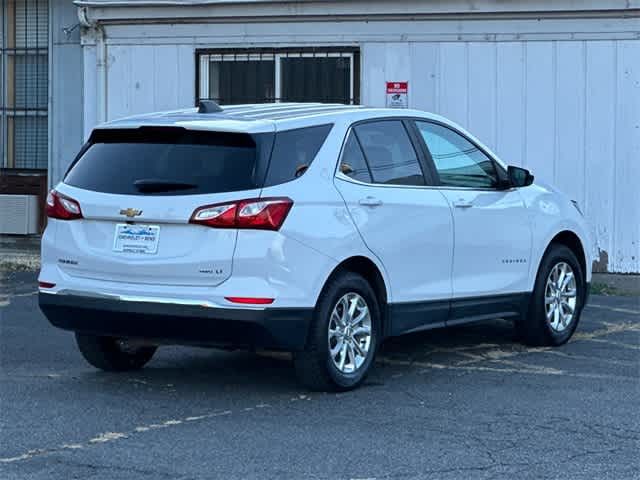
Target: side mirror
[{"x": 519, "y": 177}]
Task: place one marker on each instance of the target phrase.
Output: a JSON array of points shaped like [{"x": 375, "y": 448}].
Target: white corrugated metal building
[{"x": 550, "y": 85}]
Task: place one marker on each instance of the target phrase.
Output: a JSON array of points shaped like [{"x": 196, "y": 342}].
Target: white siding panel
[
  {"x": 397, "y": 63},
  {"x": 454, "y": 68},
  {"x": 416, "y": 63},
  {"x": 481, "y": 91},
  {"x": 187, "y": 76},
  {"x": 142, "y": 83},
  {"x": 118, "y": 82},
  {"x": 373, "y": 69},
  {"x": 600, "y": 142},
  {"x": 510, "y": 100},
  {"x": 626, "y": 254},
  {"x": 423, "y": 83},
  {"x": 570, "y": 105},
  {"x": 66, "y": 109},
  {"x": 149, "y": 78},
  {"x": 167, "y": 77},
  {"x": 89, "y": 89},
  {"x": 540, "y": 110}
]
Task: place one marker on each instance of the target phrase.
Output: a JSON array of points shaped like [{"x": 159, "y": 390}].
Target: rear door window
[
  {"x": 293, "y": 152},
  {"x": 390, "y": 153},
  {"x": 352, "y": 163},
  {"x": 166, "y": 161}
]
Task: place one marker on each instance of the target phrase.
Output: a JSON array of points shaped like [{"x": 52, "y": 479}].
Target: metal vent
[{"x": 19, "y": 214}]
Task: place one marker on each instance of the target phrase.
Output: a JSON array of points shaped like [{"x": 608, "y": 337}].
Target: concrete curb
[{"x": 616, "y": 284}]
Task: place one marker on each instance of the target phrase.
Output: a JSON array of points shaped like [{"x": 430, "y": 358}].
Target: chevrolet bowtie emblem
[{"x": 131, "y": 212}]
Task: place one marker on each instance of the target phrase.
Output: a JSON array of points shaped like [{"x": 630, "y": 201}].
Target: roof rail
[{"x": 208, "y": 106}]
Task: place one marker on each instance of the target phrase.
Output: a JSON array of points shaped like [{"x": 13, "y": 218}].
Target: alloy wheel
[
  {"x": 349, "y": 333},
  {"x": 560, "y": 297}
]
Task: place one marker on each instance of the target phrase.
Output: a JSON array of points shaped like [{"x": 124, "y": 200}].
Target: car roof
[
  {"x": 264, "y": 117},
  {"x": 270, "y": 117}
]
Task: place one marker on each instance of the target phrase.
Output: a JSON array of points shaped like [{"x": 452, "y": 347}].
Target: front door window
[{"x": 458, "y": 161}]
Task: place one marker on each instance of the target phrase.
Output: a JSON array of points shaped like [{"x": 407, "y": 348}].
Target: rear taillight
[
  {"x": 62, "y": 207},
  {"x": 255, "y": 213}
]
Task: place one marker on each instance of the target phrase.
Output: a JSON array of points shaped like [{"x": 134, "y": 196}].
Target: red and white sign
[{"x": 397, "y": 94}]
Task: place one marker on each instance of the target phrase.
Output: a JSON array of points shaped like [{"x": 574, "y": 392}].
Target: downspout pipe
[{"x": 101, "y": 62}]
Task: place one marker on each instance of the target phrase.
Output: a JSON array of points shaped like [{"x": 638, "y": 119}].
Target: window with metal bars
[
  {"x": 24, "y": 83},
  {"x": 230, "y": 76}
]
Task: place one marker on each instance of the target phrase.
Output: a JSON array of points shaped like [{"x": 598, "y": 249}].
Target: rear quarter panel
[{"x": 319, "y": 219}]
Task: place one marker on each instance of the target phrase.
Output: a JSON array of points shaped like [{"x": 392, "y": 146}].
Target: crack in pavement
[
  {"x": 5, "y": 300},
  {"x": 116, "y": 436},
  {"x": 147, "y": 472},
  {"x": 608, "y": 330},
  {"x": 504, "y": 358}
]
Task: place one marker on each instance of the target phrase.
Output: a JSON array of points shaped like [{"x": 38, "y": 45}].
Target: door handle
[
  {"x": 462, "y": 203},
  {"x": 370, "y": 202}
]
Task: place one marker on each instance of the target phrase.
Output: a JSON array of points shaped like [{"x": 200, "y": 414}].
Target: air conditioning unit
[{"x": 19, "y": 214}]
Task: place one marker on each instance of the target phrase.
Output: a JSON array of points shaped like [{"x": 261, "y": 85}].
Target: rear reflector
[
  {"x": 250, "y": 300},
  {"x": 255, "y": 213},
  {"x": 46, "y": 285}
]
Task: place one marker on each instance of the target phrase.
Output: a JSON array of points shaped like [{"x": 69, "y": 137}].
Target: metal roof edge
[
  {"x": 172, "y": 3},
  {"x": 407, "y": 7}
]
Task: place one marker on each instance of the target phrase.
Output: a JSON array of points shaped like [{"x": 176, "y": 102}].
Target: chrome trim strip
[
  {"x": 345, "y": 178},
  {"x": 147, "y": 299}
]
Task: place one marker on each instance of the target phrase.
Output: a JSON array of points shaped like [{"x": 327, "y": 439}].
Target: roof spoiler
[{"x": 208, "y": 106}]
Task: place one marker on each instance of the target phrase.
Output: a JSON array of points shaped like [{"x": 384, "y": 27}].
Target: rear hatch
[{"x": 138, "y": 189}]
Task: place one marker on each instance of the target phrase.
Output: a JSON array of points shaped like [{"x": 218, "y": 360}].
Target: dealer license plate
[{"x": 136, "y": 238}]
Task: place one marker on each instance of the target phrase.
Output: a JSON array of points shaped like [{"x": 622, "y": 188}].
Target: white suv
[{"x": 310, "y": 228}]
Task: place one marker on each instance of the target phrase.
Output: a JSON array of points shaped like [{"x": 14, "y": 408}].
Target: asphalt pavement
[{"x": 467, "y": 403}]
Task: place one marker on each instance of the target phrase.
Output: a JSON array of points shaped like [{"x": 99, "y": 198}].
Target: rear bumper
[{"x": 276, "y": 328}]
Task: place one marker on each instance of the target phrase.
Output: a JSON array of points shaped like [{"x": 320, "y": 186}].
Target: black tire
[
  {"x": 107, "y": 354},
  {"x": 534, "y": 329},
  {"x": 314, "y": 366}
]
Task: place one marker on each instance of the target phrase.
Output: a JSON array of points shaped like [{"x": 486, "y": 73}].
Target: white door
[
  {"x": 405, "y": 224},
  {"x": 492, "y": 230}
]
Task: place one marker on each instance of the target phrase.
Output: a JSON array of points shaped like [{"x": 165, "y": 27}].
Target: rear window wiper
[{"x": 151, "y": 185}]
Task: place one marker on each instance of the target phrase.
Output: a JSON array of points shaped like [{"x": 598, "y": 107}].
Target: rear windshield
[
  {"x": 170, "y": 161},
  {"x": 176, "y": 161}
]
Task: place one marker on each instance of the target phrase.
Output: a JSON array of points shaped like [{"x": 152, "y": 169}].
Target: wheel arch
[
  {"x": 368, "y": 269},
  {"x": 572, "y": 241},
  {"x": 530, "y": 327}
]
